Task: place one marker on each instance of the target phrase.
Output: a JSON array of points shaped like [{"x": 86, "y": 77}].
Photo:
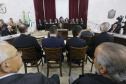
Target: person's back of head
[
  {"x": 110, "y": 61},
  {"x": 23, "y": 28},
  {"x": 53, "y": 30},
  {"x": 76, "y": 30},
  {"x": 104, "y": 27}
]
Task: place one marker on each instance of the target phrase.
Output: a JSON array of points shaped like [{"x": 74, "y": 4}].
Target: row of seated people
[
  {"x": 41, "y": 24},
  {"x": 53, "y": 42},
  {"x": 10, "y": 28},
  {"x": 109, "y": 61}
]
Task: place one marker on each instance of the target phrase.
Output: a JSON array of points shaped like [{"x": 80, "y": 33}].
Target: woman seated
[{"x": 60, "y": 26}]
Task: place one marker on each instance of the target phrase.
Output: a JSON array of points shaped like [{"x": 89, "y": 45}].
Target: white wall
[
  {"x": 15, "y": 10},
  {"x": 62, "y": 8},
  {"x": 98, "y": 10}
]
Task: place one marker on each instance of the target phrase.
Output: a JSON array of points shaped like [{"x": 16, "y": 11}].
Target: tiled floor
[
  {"x": 65, "y": 71},
  {"x": 65, "y": 67}
]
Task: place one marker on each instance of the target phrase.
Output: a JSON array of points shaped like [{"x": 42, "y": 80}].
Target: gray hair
[
  {"x": 113, "y": 57},
  {"x": 105, "y": 26},
  {"x": 3, "y": 54}
]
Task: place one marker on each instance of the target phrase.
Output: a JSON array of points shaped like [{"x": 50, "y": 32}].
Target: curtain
[
  {"x": 50, "y": 10},
  {"x": 83, "y": 10},
  {"x": 73, "y": 9},
  {"x": 62, "y": 8},
  {"x": 39, "y": 13}
]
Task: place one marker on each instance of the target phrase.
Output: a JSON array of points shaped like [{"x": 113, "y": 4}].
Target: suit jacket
[
  {"x": 74, "y": 42},
  {"x": 92, "y": 79},
  {"x": 53, "y": 42},
  {"x": 24, "y": 41},
  {"x": 58, "y": 35},
  {"x": 96, "y": 40},
  {"x": 116, "y": 30},
  {"x": 86, "y": 33},
  {"x": 30, "y": 78},
  {"x": 7, "y": 32}
]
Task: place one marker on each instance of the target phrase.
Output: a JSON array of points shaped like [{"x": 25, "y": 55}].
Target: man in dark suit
[
  {"x": 108, "y": 61},
  {"x": 53, "y": 41},
  {"x": 8, "y": 31},
  {"x": 24, "y": 41},
  {"x": 75, "y": 42},
  {"x": 100, "y": 38},
  {"x": 86, "y": 33},
  {"x": 39, "y": 25},
  {"x": 11, "y": 63}
]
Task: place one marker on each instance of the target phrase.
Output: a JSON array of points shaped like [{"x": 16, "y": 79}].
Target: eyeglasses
[{"x": 18, "y": 54}]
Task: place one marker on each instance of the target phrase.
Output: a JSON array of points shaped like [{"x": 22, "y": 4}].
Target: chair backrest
[
  {"x": 40, "y": 40},
  {"x": 77, "y": 53},
  {"x": 28, "y": 53},
  {"x": 87, "y": 38},
  {"x": 68, "y": 37},
  {"x": 53, "y": 53}
]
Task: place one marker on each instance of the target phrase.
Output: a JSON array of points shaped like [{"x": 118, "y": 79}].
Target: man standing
[
  {"x": 11, "y": 62},
  {"x": 53, "y": 41}
]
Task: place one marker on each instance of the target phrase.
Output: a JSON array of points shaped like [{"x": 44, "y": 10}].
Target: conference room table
[
  {"x": 118, "y": 38},
  {"x": 65, "y": 26}
]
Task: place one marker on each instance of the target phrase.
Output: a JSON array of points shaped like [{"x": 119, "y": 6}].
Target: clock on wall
[{"x": 2, "y": 8}]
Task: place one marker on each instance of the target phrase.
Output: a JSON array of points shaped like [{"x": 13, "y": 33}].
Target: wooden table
[
  {"x": 9, "y": 38},
  {"x": 65, "y": 25},
  {"x": 120, "y": 39},
  {"x": 64, "y": 33}
]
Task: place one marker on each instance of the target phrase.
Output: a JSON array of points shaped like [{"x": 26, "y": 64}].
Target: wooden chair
[
  {"x": 29, "y": 54},
  {"x": 68, "y": 37},
  {"x": 53, "y": 54},
  {"x": 87, "y": 38},
  {"x": 77, "y": 54}
]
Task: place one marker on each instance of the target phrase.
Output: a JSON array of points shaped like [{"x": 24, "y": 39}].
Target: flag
[
  {"x": 29, "y": 18},
  {"x": 25, "y": 19}
]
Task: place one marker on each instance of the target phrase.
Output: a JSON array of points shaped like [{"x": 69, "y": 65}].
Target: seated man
[
  {"x": 10, "y": 63},
  {"x": 100, "y": 38},
  {"x": 53, "y": 41},
  {"x": 86, "y": 32},
  {"x": 9, "y": 31},
  {"x": 110, "y": 65},
  {"x": 58, "y": 34},
  {"x": 114, "y": 29},
  {"x": 72, "y": 21},
  {"x": 24, "y": 41},
  {"x": 39, "y": 25},
  {"x": 75, "y": 41}
]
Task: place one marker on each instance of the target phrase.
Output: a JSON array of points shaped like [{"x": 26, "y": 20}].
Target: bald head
[
  {"x": 10, "y": 60},
  {"x": 112, "y": 57},
  {"x": 22, "y": 28}
]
